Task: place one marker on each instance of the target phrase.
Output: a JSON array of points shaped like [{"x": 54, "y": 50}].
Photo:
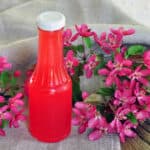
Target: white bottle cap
[{"x": 51, "y": 21}]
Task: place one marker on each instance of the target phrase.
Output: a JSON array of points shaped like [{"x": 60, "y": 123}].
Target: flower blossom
[
  {"x": 4, "y": 114},
  {"x": 71, "y": 62},
  {"x": 124, "y": 97},
  {"x": 83, "y": 31},
  {"x": 4, "y": 64},
  {"x": 99, "y": 126},
  {"x": 118, "y": 68},
  {"x": 113, "y": 40},
  {"x": 122, "y": 31},
  {"x": 67, "y": 37},
  {"x": 15, "y": 103},
  {"x": 17, "y": 73},
  {"x": 85, "y": 95},
  {"x": 92, "y": 62},
  {"x": 141, "y": 96},
  {"x": 19, "y": 116},
  {"x": 146, "y": 58},
  {"x": 120, "y": 114},
  {"x": 139, "y": 75},
  {"x": 126, "y": 130},
  {"x": 82, "y": 113}
]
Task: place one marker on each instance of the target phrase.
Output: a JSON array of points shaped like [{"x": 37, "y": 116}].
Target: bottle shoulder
[{"x": 52, "y": 78}]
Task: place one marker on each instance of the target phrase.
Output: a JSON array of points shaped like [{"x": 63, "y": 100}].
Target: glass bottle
[{"x": 50, "y": 87}]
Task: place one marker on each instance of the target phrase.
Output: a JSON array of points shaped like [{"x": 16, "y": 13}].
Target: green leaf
[
  {"x": 77, "y": 94},
  {"x": 135, "y": 50},
  {"x": 4, "y": 78},
  {"x": 4, "y": 123},
  {"x": 87, "y": 41},
  {"x": 13, "y": 81},
  {"x": 75, "y": 48},
  {"x": 94, "y": 99},
  {"x": 132, "y": 117},
  {"x": 106, "y": 91}
]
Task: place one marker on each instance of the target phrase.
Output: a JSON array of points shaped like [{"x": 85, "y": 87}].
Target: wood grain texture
[{"x": 142, "y": 141}]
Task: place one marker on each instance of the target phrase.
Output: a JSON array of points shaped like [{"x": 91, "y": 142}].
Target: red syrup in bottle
[{"x": 50, "y": 87}]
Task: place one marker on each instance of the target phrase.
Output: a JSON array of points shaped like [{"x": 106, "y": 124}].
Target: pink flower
[
  {"x": 85, "y": 95},
  {"x": 99, "y": 126},
  {"x": 143, "y": 115},
  {"x": 120, "y": 114},
  {"x": 71, "y": 62},
  {"x": 82, "y": 113},
  {"x": 141, "y": 96},
  {"x": 19, "y": 116},
  {"x": 124, "y": 97},
  {"x": 118, "y": 68},
  {"x": 109, "y": 43},
  {"x": 126, "y": 130},
  {"x": 67, "y": 37},
  {"x": 92, "y": 62},
  {"x": 83, "y": 31},
  {"x": 16, "y": 103},
  {"x": 123, "y": 32},
  {"x": 4, "y": 114},
  {"x": 2, "y": 132},
  {"x": 139, "y": 75},
  {"x": 113, "y": 40},
  {"x": 2, "y": 99},
  {"x": 17, "y": 73},
  {"x": 4, "y": 64},
  {"x": 146, "y": 57}
]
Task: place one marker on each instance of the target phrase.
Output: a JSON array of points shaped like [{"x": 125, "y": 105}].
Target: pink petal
[
  {"x": 118, "y": 94},
  {"x": 7, "y": 115},
  {"x": 81, "y": 105},
  {"x": 109, "y": 80},
  {"x": 19, "y": 102},
  {"x": 142, "y": 115},
  {"x": 18, "y": 95},
  {"x": 92, "y": 123},
  {"x": 125, "y": 72},
  {"x": 103, "y": 71},
  {"x": 145, "y": 72},
  {"x": 17, "y": 73},
  {"x": 74, "y": 37},
  {"x": 127, "y": 63},
  {"x": 95, "y": 135},
  {"x": 76, "y": 111},
  {"x": 129, "y": 133},
  {"x": 89, "y": 74},
  {"x": 82, "y": 128},
  {"x": 118, "y": 125},
  {"x": 103, "y": 36},
  {"x": 75, "y": 121},
  {"x": 110, "y": 64},
  {"x": 2, "y": 132},
  {"x": 85, "y": 94},
  {"x": 122, "y": 137},
  {"x": 128, "y": 32},
  {"x": 143, "y": 81},
  {"x": 1, "y": 99},
  {"x": 4, "y": 108},
  {"x": 119, "y": 58}
]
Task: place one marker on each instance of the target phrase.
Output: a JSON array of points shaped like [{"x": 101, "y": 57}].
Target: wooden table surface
[{"x": 142, "y": 141}]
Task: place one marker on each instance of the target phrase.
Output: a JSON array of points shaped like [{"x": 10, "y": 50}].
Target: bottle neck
[{"x": 50, "y": 51}]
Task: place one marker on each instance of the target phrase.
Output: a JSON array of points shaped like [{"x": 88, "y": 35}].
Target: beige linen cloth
[{"x": 19, "y": 43}]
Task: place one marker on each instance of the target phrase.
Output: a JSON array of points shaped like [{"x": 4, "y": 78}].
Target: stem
[
  {"x": 111, "y": 107},
  {"x": 84, "y": 53}
]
